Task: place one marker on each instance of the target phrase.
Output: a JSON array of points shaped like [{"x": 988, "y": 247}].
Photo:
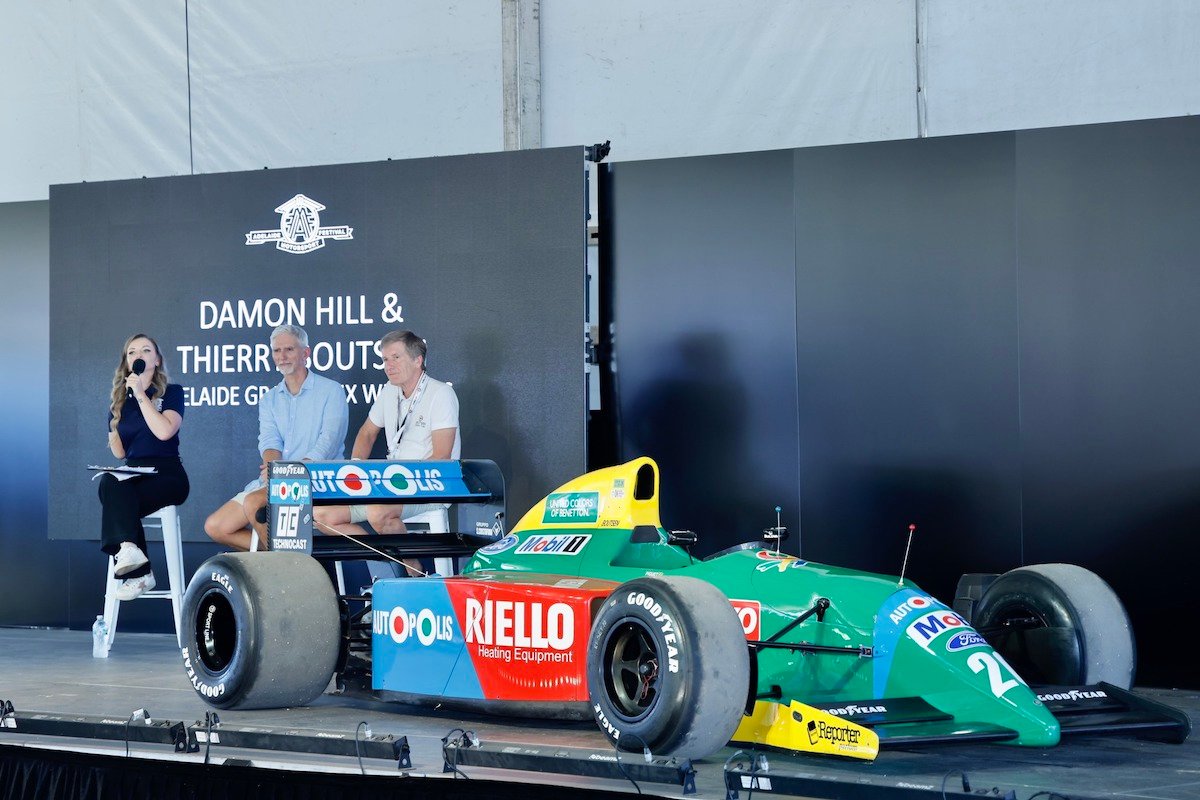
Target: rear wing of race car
[
  {"x": 1098, "y": 709},
  {"x": 474, "y": 486}
]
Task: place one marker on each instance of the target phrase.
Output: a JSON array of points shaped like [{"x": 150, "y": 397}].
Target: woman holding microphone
[{"x": 144, "y": 416}]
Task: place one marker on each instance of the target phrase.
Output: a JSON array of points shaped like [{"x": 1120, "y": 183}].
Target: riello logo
[
  {"x": 300, "y": 230},
  {"x": 515, "y": 623}
]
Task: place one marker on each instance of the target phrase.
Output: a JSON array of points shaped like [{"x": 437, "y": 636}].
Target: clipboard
[{"x": 121, "y": 472}]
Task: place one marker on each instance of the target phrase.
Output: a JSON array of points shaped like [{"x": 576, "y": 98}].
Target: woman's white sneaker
[
  {"x": 129, "y": 558},
  {"x": 135, "y": 587}
]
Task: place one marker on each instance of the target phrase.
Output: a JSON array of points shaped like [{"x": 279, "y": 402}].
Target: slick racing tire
[
  {"x": 1058, "y": 625},
  {"x": 260, "y": 630},
  {"x": 668, "y": 667}
]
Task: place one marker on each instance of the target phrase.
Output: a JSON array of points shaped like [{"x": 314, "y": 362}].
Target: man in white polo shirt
[{"x": 419, "y": 418}]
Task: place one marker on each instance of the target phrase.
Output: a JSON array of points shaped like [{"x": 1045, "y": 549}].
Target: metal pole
[{"x": 521, "y": 46}]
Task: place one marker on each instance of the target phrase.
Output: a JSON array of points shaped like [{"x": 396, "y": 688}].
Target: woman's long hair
[{"x": 122, "y": 372}]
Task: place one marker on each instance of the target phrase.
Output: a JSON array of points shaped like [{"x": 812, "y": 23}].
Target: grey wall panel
[
  {"x": 706, "y": 336},
  {"x": 906, "y": 306},
  {"x": 1109, "y": 293},
  {"x": 25, "y": 382}
]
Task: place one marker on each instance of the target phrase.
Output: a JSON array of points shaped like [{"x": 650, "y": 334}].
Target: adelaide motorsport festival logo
[{"x": 300, "y": 229}]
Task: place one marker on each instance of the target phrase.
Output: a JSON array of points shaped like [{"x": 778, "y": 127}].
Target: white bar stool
[
  {"x": 438, "y": 521},
  {"x": 167, "y": 519}
]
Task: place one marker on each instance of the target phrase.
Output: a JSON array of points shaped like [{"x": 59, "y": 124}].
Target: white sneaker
[
  {"x": 134, "y": 587},
  {"x": 128, "y": 559}
]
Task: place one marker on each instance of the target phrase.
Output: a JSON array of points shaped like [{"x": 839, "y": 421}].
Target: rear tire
[
  {"x": 260, "y": 630},
  {"x": 668, "y": 667},
  {"x": 1058, "y": 625}
]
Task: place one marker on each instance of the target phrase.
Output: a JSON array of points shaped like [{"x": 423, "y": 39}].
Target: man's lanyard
[{"x": 416, "y": 398}]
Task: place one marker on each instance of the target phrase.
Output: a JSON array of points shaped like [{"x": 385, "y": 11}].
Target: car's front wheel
[{"x": 1058, "y": 624}]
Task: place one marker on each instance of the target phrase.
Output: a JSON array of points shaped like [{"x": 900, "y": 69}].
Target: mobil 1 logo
[{"x": 289, "y": 506}]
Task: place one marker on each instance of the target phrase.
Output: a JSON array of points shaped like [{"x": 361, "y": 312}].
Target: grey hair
[
  {"x": 293, "y": 330},
  {"x": 414, "y": 345}
]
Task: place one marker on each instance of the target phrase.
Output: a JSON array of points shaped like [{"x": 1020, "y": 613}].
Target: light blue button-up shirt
[{"x": 311, "y": 424}]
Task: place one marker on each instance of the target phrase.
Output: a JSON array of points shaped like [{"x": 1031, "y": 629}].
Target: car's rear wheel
[
  {"x": 260, "y": 630},
  {"x": 1058, "y": 624},
  {"x": 668, "y": 667}
]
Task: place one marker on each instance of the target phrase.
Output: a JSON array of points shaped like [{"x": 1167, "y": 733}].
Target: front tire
[
  {"x": 260, "y": 630},
  {"x": 1058, "y": 625},
  {"x": 668, "y": 667}
]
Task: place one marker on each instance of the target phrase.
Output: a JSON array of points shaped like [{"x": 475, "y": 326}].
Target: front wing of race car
[
  {"x": 1097, "y": 709},
  {"x": 860, "y": 730}
]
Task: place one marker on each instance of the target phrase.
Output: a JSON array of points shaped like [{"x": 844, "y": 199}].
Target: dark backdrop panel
[
  {"x": 483, "y": 256},
  {"x": 906, "y": 307},
  {"x": 706, "y": 337},
  {"x": 992, "y": 340},
  {"x": 1109, "y": 326}
]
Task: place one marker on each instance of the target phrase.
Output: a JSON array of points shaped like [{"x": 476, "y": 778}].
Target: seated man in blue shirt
[{"x": 303, "y": 418}]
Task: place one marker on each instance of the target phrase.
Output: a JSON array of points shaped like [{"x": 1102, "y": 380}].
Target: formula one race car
[{"x": 588, "y": 606}]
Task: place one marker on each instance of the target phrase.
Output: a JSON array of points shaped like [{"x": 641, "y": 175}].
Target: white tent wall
[
  {"x": 998, "y": 65},
  {"x": 332, "y": 83},
  {"x": 105, "y": 89},
  {"x": 681, "y": 79},
  {"x": 90, "y": 91}
]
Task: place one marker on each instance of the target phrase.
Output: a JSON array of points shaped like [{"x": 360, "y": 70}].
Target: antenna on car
[
  {"x": 912, "y": 528},
  {"x": 778, "y": 533}
]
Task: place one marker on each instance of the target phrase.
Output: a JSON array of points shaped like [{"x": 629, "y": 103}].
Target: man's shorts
[{"x": 240, "y": 497}]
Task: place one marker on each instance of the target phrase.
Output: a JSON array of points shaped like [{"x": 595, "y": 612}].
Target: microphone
[{"x": 139, "y": 366}]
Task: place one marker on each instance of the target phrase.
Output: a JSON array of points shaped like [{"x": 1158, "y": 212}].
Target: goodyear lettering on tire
[
  {"x": 202, "y": 687},
  {"x": 665, "y": 622}
]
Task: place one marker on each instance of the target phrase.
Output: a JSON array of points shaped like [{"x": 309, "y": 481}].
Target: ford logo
[
  {"x": 961, "y": 641},
  {"x": 500, "y": 546}
]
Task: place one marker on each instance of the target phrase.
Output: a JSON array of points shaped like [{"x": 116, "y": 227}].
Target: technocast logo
[{"x": 300, "y": 228}]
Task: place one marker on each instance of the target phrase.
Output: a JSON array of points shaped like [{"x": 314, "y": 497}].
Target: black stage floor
[{"x": 53, "y": 671}]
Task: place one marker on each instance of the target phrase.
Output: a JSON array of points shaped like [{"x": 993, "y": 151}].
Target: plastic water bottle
[{"x": 99, "y": 638}]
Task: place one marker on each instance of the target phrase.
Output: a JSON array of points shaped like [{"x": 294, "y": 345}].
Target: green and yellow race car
[{"x": 589, "y": 606}]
